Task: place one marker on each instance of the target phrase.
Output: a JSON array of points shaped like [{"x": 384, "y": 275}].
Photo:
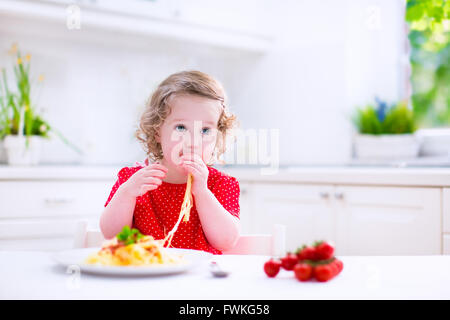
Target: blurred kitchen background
[{"x": 302, "y": 68}]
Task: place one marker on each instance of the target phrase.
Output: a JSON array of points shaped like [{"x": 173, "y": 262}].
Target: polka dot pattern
[{"x": 157, "y": 211}]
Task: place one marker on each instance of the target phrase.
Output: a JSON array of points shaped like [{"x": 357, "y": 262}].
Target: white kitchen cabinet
[
  {"x": 388, "y": 220},
  {"x": 234, "y": 27},
  {"x": 446, "y": 209},
  {"x": 35, "y": 198},
  {"x": 305, "y": 210},
  {"x": 42, "y": 214},
  {"x": 41, "y": 205},
  {"x": 360, "y": 220},
  {"x": 237, "y": 16},
  {"x": 38, "y": 244},
  {"x": 446, "y": 244},
  {"x": 446, "y": 221}
]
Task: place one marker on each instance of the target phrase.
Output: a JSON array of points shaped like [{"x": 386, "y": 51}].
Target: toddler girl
[{"x": 183, "y": 129}]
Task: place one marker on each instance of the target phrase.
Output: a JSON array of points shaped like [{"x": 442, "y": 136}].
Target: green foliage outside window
[{"x": 429, "y": 22}]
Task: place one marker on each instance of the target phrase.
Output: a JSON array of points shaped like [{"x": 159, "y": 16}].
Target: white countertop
[
  {"x": 34, "y": 275},
  {"x": 408, "y": 176},
  {"x": 439, "y": 177}
]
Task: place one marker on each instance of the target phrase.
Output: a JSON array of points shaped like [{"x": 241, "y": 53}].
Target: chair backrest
[
  {"x": 252, "y": 244},
  {"x": 273, "y": 244},
  {"x": 86, "y": 237},
  {"x": 247, "y": 244}
]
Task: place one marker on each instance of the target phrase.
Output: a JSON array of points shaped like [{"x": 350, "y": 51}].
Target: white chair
[
  {"x": 262, "y": 244},
  {"x": 247, "y": 244},
  {"x": 86, "y": 237}
]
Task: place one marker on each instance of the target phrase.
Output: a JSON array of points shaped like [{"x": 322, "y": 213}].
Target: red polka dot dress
[{"x": 157, "y": 211}]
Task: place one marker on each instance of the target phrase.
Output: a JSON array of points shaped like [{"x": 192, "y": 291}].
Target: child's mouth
[{"x": 181, "y": 153}]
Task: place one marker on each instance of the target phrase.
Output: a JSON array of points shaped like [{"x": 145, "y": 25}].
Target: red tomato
[
  {"x": 289, "y": 261},
  {"x": 324, "y": 250},
  {"x": 307, "y": 253},
  {"x": 340, "y": 265},
  {"x": 303, "y": 271},
  {"x": 272, "y": 267},
  {"x": 334, "y": 267},
  {"x": 323, "y": 272}
]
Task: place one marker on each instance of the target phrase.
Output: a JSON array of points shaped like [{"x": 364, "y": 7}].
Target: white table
[{"x": 34, "y": 275}]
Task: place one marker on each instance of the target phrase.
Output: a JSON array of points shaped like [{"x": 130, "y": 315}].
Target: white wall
[
  {"x": 375, "y": 52},
  {"x": 330, "y": 57},
  {"x": 325, "y": 59}
]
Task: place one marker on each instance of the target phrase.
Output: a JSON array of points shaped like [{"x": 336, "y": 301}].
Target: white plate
[{"x": 75, "y": 258}]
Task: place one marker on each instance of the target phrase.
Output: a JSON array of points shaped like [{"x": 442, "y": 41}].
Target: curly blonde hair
[{"x": 157, "y": 109}]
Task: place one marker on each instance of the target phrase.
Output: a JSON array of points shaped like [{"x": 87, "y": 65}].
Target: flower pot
[
  {"x": 386, "y": 146},
  {"x": 435, "y": 141},
  {"x": 18, "y": 153},
  {"x": 2, "y": 153}
]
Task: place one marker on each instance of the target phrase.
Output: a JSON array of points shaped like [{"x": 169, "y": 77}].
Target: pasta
[
  {"x": 131, "y": 248},
  {"x": 145, "y": 251},
  {"x": 184, "y": 212}
]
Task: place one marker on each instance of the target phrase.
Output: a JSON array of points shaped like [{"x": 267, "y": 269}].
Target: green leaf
[
  {"x": 124, "y": 234},
  {"x": 129, "y": 236},
  {"x": 319, "y": 262},
  {"x": 317, "y": 243},
  {"x": 414, "y": 12},
  {"x": 399, "y": 120},
  {"x": 11, "y": 102},
  {"x": 299, "y": 249},
  {"x": 366, "y": 120}
]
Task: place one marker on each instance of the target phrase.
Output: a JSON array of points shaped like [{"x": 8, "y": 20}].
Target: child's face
[{"x": 191, "y": 127}]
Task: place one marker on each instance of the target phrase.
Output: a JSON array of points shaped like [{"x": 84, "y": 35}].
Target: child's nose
[{"x": 191, "y": 150}]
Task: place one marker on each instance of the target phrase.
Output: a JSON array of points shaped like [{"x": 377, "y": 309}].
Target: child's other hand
[
  {"x": 144, "y": 180},
  {"x": 141, "y": 164},
  {"x": 193, "y": 163}
]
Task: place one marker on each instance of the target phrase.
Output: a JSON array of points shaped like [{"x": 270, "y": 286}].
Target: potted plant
[
  {"x": 385, "y": 132},
  {"x": 22, "y": 129}
]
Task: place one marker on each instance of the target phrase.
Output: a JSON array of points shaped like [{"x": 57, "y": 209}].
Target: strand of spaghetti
[
  {"x": 171, "y": 233},
  {"x": 187, "y": 201},
  {"x": 184, "y": 212}
]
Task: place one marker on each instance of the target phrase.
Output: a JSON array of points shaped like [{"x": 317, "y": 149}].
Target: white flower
[{"x": 43, "y": 128}]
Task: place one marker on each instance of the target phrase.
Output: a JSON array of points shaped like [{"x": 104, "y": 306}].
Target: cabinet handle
[
  {"x": 57, "y": 201},
  {"x": 324, "y": 195},
  {"x": 339, "y": 195}
]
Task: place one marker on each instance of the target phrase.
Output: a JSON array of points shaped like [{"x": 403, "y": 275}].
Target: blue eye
[{"x": 180, "y": 126}]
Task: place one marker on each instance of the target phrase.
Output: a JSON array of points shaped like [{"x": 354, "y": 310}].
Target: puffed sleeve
[
  {"x": 227, "y": 191},
  {"x": 123, "y": 175}
]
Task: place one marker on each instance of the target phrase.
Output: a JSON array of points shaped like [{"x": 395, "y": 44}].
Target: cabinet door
[
  {"x": 305, "y": 210},
  {"x": 388, "y": 220},
  {"x": 39, "y": 228},
  {"x": 446, "y": 244},
  {"x": 41, "y": 244},
  {"x": 44, "y": 214},
  {"x": 36, "y": 199},
  {"x": 446, "y": 209}
]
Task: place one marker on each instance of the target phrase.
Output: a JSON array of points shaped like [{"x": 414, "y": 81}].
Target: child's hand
[
  {"x": 193, "y": 163},
  {"x": 147, "y": 179}
]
